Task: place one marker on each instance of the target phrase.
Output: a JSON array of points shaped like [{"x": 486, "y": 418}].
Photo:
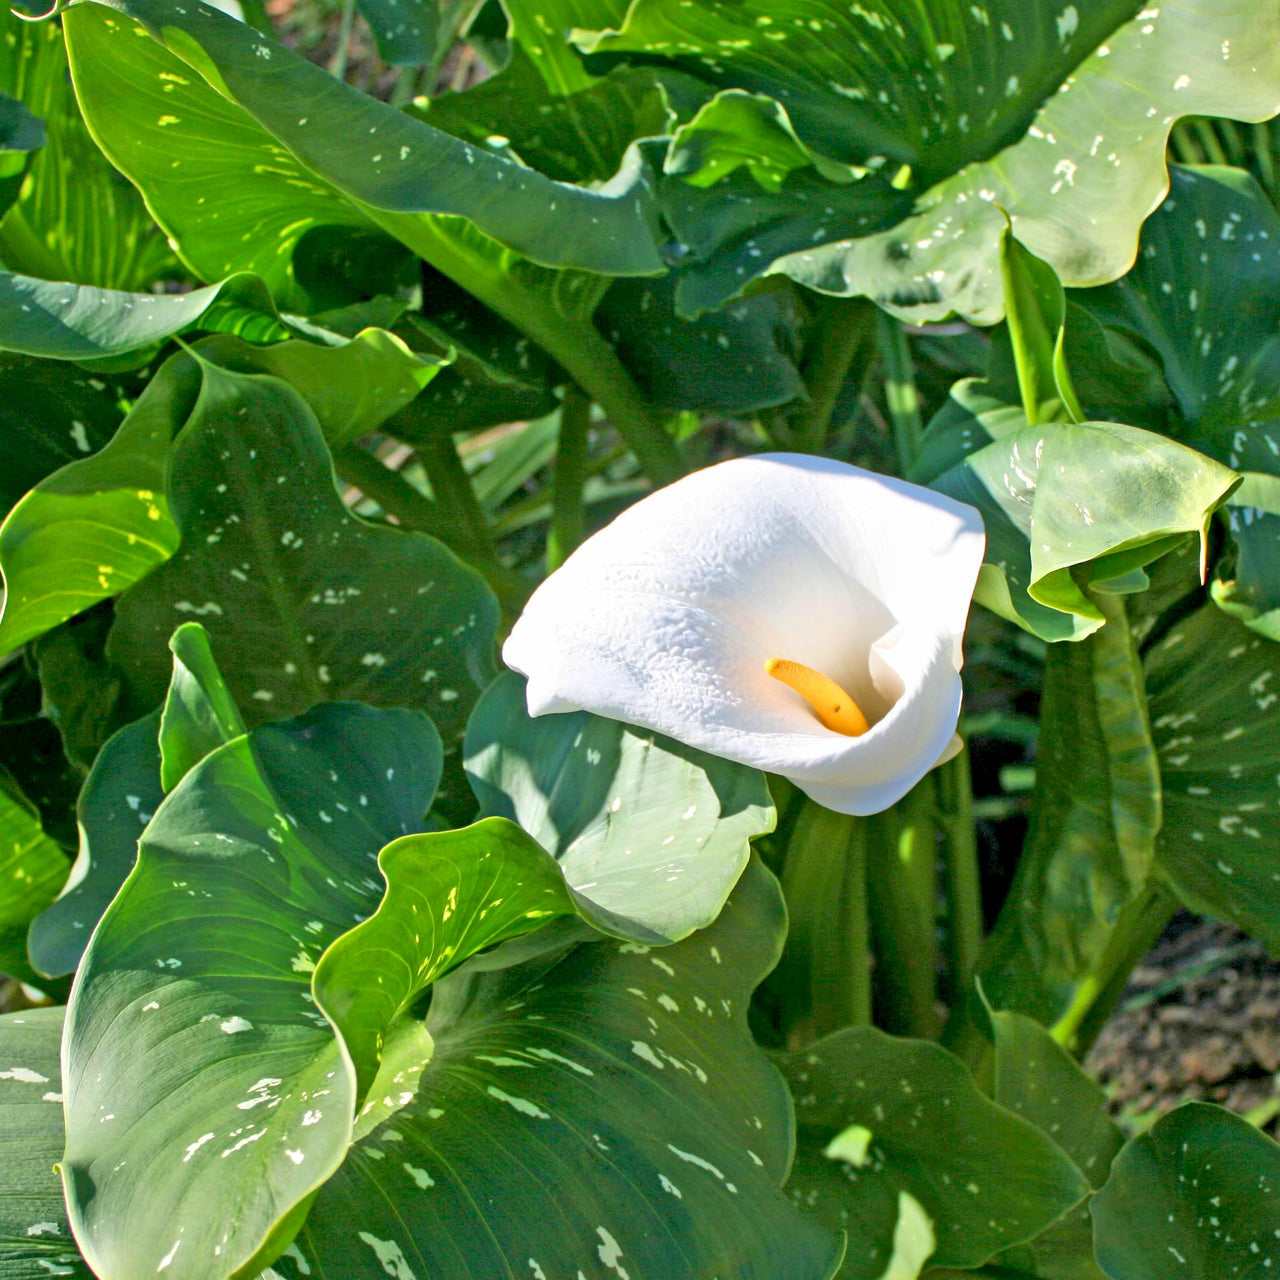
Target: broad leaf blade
[
  {"x": 624, "y": 1073},
  {"x": 303, "y": 602},
  {"x": 32, "y": 870},
  {"x": 191, "y": 1027},
  {"x": 881, "y": 1119},
  {"x": 1195, "y": 1197},
  {"x": 199, "y": 714},
  {"x": 449, "y": 895},
  {"x": 652, "y": 833},
  {"x": 35, "y": 1239}
]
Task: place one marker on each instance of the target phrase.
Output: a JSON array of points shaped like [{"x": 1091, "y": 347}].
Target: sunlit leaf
[
  {"x": 192, "y": 1029},
  {"x": 598, "y": 1112},
  {"x": 653, "y": 833}
]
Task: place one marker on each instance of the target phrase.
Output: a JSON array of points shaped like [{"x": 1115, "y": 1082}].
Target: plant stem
[
  {"x": 825, "y": 966},
  {"x": 843, "y": 328},
  {"x": 1136, "y": 929},
  {"x": 963, "y": 883},
  {"x": 338, "y": 63},
  {"x": 1265, "y": 158},
  {"x": 900, "y": 390},
  {"x": 902, "y": 867},
  {"x": 567, "y": 516},
  {"x": 453, "y": 491}
]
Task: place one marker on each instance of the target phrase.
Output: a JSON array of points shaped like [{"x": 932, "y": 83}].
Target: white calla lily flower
[{"x": 792, "y": 613}]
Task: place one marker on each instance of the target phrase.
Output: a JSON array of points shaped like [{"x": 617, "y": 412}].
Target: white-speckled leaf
[
  {"x": 653, "y": 833},
  {"x": 1197, "y": 1197},
  {"x": 1204, "y": 295},
  {"x": 303, "y": 601},
  {"x": 207, "y": 1097},
  {"x": 1051, "y": 115},
  {"x": 32, "y": 870},
  {"x": 601, "y": 1113},
  {"x": 35, "y": 1240},
  {"x": 881, "y": 1119}
]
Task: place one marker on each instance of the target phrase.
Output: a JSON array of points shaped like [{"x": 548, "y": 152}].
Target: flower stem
[
  {"x": 1138, "y": 926},
  {"x": 963, "y": 883},
  {"x": 570, "y": 478},
  {"x": 825, "y": 967},
  {"x": 902, "y": 867},
  {"x": 900, "y": 390},
  {"x": 843, "y": 329}
]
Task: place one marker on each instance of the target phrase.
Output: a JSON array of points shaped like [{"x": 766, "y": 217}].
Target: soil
[{"x": 1200, "y": 1021}]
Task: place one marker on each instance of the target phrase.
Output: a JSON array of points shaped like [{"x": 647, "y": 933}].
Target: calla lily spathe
[{"x": 666, "y": 619}]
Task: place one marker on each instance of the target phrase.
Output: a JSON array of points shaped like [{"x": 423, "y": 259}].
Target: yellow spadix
[{"x": 835, "y": 709}]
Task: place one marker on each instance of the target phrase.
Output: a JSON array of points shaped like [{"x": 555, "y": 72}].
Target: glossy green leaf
[
  {"x": 284, "y": 134},
  {"x": 352, "y": 387},
  {"x": 303, "y": 601},
  {"x": 50, "y": 414},
  {"x": 1053, "y": 116},
  {"x": 97, "y": 525},
  {"x": 61, "y": 321},
  {"x": 651, "y": 832},
  {"x": 497, "y": 375},
  {"x": 1145, "y": 493},
  {"x": 207, "y": 1097},
  {"x": 118, "y": 799},
  {"x": 898, "y": 1147},
  {"x": 75, "y": 218},
  {"x": 534, "y": 25},
  {"x": 579, "y": 137},
  {"x": 199, "y": 714},
  {"x": 1204, "y": 296},
  {"x": 1194, "y": 1197},
  {"x": 1041, "y": 1081},
  {"x": 736, "y": 360},
  {"x": 32, "y": 870},
  {"x": 1097, "y": 811},
  {"x": 601, "y": 1112},
  {"x": 35, "y": 1240},
  {"x": 449, "y": 895},
  {"x": 1215, "y": 713}
]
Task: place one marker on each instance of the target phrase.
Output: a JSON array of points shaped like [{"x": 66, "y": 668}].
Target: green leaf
[
  {"x": 1097, "y": 811},
  {"x": 1145, "y": 493},
  {"x": 898, "y": 1146},
  {"x": 20, "y": 131},
  {"x": 35, "y": 1240},
  {"x": 653, "y": 833},
  {"x": 1204, "y": 296},
  {"x": 626, "y": 1075},
  {"x": 117, "y": 801},
  {"x": 1053, "y": 116},
  {"x": 199, "y": 714},
  {"x": 1038, "y": 1079},
  {"x": 497, "y": 375},
  {"x": 32, "y": 870},
  {"x": 405, "y": 31},
  {"x": 192, "y": 1029},
  {"x": 75, "y": 218},
  {"x": 486, "y": 883},
  {"x": 352, "y": 387},
  {"x": 98, "y": 524},
  {"x": 1215, "y": 713},
  {"x": 61, "y": 321},
  {"x": 278, "y": 145},
  {"x": 579, "y": 137},
  {"x": 303, "y": 601},
  {"x": 736, "y": 360},
  {"x": 50, "y": 414},
  {"x": 1195, "y": 1196},
  {"x": 536, "y": 24}
]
